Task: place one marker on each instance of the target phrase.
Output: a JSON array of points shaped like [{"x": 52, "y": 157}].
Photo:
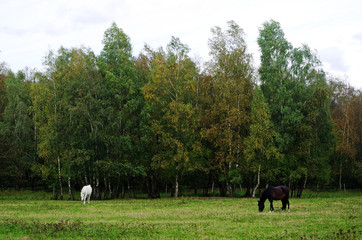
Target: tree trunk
[
  {"x": 54, "y": 198},
  {"x": 229, "y": 188},
  {"x": 60, "y": 180},
  {"x": 223, "y": 189},
  {"x": 258, "y": 183},
  {"x": 148, "y": 188},
  {"x": 97, "y": 195},
  {"x": 340, "y": 174},
  {"x": 344, "y": 139},
  {"x": 302, "y": 188},
  {"x": 70, "y": 197},
  {"x": 289, "y": 182},
  {"x": 116, "y": 190},
  {"x": 154, "y": 190},
  {"x": 123, "y": 193},
  {"x": 105, "y": 189},
  {"x": 206, "y": 189},
  {"x": 129, "y": 188},
  {"x": 249, "y": 186},
  {"x": 176, "y": 186},
  {"x": 110, "y": 189},
  {"x": 247, "y": 191},
  {"x": 151, "y": 187}
]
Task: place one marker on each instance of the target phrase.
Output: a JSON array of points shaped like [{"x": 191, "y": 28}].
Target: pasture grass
[{"x": 329, "y": 217}]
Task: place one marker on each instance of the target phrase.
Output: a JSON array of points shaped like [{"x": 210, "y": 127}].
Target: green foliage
[
  {"x": 297, "y": 94},
  {"x": 226, "y": 99},
  {"x": 3, "y": 100},
  {"x": 123, "y": 101},
  {"x": 156, "y": 121},
  {"x": 170, "y": 95},
  {"x": 261, "y": 150},
  {"x": 17, "y": 131}
]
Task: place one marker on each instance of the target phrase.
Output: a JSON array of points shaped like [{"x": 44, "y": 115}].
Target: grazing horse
[
  {"x": 274, "y": 193},
  {"x": 86, "y": 192}
]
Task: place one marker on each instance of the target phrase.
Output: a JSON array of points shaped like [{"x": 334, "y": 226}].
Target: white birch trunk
[
  {"x": 97, "y": 188},
  {"x": 258, "y": 183},
  {"x": 305, "y": 181},
  {"x": 176, "y": 186},
  {"x": 340, "y": 174},
  {"x": 69, "y": 189},
  {"x": 60, "y": 180}
]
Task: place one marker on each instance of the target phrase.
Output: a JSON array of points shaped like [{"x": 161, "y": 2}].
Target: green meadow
[{"x": 29, "y": 215}]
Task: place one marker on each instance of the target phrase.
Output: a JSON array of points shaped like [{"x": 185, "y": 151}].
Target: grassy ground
[{"x": 29, "y": 216}]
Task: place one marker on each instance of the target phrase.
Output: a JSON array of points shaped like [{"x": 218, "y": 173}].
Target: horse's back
[
  {"x": 280, "y": 192},
  {"x": 285, "y": 190},
  {"x": 87, "y": 189}
]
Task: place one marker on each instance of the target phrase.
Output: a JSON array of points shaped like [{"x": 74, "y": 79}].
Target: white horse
[{"x": 86, "y": 192}]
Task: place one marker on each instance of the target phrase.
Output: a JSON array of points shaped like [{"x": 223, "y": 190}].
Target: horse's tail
[{"x": 82, "y": 194}]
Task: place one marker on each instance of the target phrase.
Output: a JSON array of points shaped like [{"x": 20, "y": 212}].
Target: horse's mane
[{"x": 265, "y": 194}]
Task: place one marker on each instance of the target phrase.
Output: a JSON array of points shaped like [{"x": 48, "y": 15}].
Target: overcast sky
[{"x": 30, "y": 28}]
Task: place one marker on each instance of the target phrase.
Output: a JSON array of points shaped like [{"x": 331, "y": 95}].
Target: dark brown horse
[{"x": 274, "y": 193}]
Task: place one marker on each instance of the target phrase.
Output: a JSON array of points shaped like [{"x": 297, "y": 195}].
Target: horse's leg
[
  {"x": 284, "y": 204},
  {"x": 271, "y": 205},
  {"x": 288, "y": 204}
]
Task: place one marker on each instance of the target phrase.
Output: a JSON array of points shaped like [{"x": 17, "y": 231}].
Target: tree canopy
[{"x": 159, "y": 122}]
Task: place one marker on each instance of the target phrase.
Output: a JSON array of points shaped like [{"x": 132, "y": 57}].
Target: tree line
[{"x": 159, "y": 122}]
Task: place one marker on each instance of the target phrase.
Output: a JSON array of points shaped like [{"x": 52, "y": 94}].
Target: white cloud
[
  {"x": 334, "y": 57},
  {"x": 29, "y": 28},
  {"x": 358, "y": 37}
]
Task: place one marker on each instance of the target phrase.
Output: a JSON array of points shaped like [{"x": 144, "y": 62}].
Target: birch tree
[
  {"x": 261, "y": 152},
  {"x": 296, "y": 91},
  {"x": 347, "y": 119},
  {"x": 123, "y": 109},
  {"x": 231, "y": 71},
  {"x": 170, "y": 94}
]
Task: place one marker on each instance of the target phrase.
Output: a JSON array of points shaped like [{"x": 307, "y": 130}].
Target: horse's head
[{"x": 261, "y": 206}]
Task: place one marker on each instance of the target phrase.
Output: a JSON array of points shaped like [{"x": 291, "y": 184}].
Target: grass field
[{"x": 329, "y": 216}]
